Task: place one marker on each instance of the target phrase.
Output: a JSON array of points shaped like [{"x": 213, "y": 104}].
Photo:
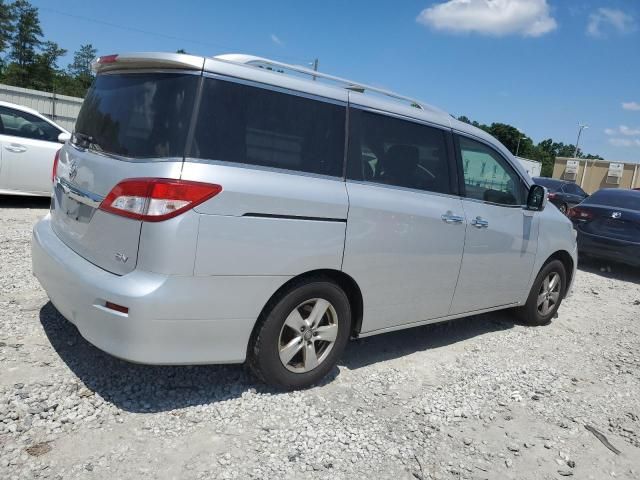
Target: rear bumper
[
  {"x": 171, "y": 319},
  {"x": 610, "y": 249}
]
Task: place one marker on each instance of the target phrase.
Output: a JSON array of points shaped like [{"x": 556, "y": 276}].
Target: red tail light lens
[
  {"x": 580, "y": 214},
  {"x": 54, "y": 170},
  {"x": 552, "y": 195},
  {"x": 108, "y": 58},
  {"x": 156, "y": 199}
]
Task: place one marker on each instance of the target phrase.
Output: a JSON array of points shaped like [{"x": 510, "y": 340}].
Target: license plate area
[{"x": 70, "y": 207}]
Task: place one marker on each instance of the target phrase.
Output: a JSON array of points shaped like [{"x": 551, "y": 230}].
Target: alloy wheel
[
  {"x": 549, "y": 294},
  {"x": 308, "y": 335}
]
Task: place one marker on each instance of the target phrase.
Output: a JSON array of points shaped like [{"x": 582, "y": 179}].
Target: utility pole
[
  {"x": 519, "y": 138},
  {"x": 315, "y": 67},
  {"x": 581, "y": 126}
]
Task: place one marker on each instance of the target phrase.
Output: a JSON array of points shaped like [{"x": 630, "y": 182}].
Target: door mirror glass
[
  {"x": 64, "y": 137},
  {"x": 537, "y": 198}
]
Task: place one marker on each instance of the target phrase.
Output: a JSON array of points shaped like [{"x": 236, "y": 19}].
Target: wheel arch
[
  {"x": 344, "y": 281},
  {"x": 567, "y": 261}
]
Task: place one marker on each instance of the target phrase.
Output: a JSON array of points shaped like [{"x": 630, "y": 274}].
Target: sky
[{"x": 543, "y": 66}]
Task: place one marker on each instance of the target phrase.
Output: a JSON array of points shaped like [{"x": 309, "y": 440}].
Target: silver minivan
[{"x": 236, "y": 209}]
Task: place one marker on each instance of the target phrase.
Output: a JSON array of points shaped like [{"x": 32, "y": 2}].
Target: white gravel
[{"x": 475, "y": 398}]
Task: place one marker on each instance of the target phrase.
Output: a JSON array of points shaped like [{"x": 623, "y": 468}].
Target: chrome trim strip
[{"x": 80, "y": 195}]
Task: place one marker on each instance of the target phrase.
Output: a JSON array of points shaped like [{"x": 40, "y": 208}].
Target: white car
[{"x": 29, "y": 142}]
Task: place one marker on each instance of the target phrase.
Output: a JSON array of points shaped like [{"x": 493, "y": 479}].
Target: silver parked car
[
  {"x": 29, "y": 142},
  {"x": 232, "y": 209}
]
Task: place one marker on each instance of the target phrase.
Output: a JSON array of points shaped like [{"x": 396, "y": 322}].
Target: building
[{"x": 593, "y": 175}]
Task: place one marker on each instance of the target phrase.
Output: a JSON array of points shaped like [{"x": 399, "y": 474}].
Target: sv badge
[{"x": 121, "y": 257}]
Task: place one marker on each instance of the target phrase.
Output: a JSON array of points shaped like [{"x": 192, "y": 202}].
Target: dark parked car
[
  {"x": 562, "y": 194},
  {"x": 608, "y": 225}
]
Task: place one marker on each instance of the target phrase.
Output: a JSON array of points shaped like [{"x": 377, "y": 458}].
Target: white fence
[{"x": 62, "y": 109}]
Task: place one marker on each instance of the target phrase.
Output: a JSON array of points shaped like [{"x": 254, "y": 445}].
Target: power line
[{"x": 152, "y": 33}]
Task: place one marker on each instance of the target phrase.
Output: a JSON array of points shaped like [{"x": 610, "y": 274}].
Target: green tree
[
  {"x": 44, "y": 71},
  {"x": 80, "y": 68},
  {"x": 545, "y": 152},
  {"x": 25, "y": 41},
  {"x": 7, "y": 27}
]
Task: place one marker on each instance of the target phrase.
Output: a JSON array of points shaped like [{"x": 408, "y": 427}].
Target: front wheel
[
  {"x": 301, "y": 335},
  {"x": 546, "y": 294}
]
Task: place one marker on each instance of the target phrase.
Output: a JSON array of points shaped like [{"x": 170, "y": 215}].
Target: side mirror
[
  {"x": 537, "y": 198},
  {"x": 64, "y": 137}
]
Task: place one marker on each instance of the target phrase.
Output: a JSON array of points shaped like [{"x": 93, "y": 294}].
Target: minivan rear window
[
  {"x": 256, "y": 126},
  {"x": 142, "y": 115}
]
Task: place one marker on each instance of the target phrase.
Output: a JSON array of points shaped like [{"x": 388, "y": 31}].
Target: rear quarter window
[{"x": 256, "y": 126}]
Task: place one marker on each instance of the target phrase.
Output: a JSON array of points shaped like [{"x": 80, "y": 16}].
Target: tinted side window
[
  {"x": 25, "y": 125},
  {"x": 487, "y": 175},
  {"x": 397, "y": 152},
  {"x": 239, "y": 123}
]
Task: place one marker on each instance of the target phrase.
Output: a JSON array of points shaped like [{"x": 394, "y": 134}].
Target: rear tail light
[
  {"x": 552, "y": 195},
  {"x": 156, "y": 199},
  {"x": 578, "y": 213},
  {"x": 54, "y": 170}
]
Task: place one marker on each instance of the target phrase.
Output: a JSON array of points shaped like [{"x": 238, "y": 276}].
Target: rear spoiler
[{"x": 147, "y": 60}]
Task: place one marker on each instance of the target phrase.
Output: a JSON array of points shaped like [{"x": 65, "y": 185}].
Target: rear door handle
[
  {"x": 15, "y": 148},
  {"x": 451, "y": 218},
  {"x": 480, "y": 222}
]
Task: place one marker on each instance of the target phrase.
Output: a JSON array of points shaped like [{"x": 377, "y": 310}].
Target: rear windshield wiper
[{"x": 83, "y": 140}]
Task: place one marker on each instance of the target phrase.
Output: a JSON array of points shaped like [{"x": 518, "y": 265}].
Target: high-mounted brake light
[
  {"x": 108, "y": 58},
  {"x": 54, "y": 170},
  {"x": 579, "y": 214},
  {"x": 156, "y": 199}
]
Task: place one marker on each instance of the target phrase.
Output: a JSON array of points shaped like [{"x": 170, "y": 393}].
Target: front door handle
[
  {"x": 480, "y": 222},
  {"x": 451, "y": 218},
  {"x": 16, "y": 148}
]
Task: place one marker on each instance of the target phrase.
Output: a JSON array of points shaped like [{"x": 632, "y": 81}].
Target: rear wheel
[
  {"x": 301, "y": 334},
  {"x": 546, "y": 294}
]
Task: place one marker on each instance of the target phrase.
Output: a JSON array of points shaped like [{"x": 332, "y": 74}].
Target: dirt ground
[{"x": 479, "y": 398}]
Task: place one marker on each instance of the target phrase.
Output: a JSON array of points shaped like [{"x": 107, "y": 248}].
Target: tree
[
  {"x": 544, "y": 152},
  {"x": 25, "y": 41},
  {"x": 81, "y": 65},
  {"x": 181, "y": 50},
  {"x": 44, "y": 71},
  {"x": 7, "y": 18}
]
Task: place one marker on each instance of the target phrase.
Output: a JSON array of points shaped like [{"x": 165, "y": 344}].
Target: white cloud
[
  {"x": 608, "y": 19},
  {"x": 623, "y": 130},
  {"x": 624, "y": 142},
  {"x": 634, "y": 106},
  {"x": 275, "y": 39},
  {"x": 529, "y": 18}
]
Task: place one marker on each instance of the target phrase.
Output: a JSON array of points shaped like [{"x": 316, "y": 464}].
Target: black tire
[
  {"x": 530, "y": 312},
  {"x": 263, "y": 356}
]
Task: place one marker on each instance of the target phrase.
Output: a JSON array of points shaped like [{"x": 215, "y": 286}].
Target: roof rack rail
[{"x": 347, "y": 84}]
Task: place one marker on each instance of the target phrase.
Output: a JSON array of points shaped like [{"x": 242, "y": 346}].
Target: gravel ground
[{"x": 480, "y": 397}]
